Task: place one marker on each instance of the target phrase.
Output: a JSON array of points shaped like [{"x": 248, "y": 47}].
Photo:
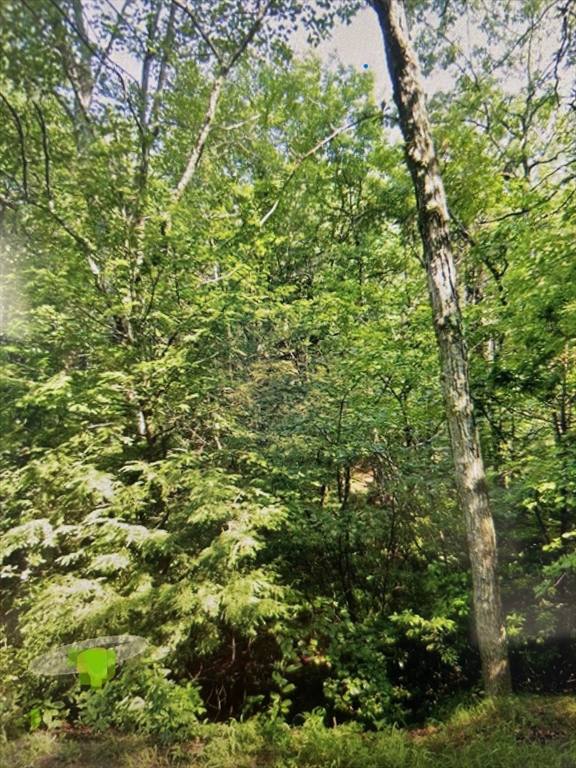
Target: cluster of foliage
[{"x": 220, "y": 410}]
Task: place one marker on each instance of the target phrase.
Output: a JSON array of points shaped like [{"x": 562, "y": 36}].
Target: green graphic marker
[
  {"x": 34, "y": 718},
  {"x": 95, "y": 665},
  {"x": 94, "y": 660}
]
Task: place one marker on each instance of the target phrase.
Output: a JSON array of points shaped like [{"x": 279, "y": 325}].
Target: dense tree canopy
[{"x": 221, "y": 416}]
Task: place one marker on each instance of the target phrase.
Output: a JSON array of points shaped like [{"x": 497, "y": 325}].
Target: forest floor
[{"x": 519, "y": 732}]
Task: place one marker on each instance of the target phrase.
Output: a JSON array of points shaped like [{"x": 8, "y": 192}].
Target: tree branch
[
  {"x": 119, "y": 71},
  {"x": 66, "y": 227},
  {"x": 21, "y": 140},
  {"x": 196, "y": 154},
  {"x": 149, "y": 57},
  {"x": 225, "y": 69},
  {"x": 114, "y": 35},
  {"x": 163, "y": 74},
  {"x": 250, "y": 36},
  {"x": 45, "y": 148},
  {"x": 311, "y": 152},
  {"x": 185, "y": 6}
]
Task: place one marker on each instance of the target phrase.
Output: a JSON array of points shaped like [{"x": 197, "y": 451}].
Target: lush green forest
[{"x": 223, "y": 427}]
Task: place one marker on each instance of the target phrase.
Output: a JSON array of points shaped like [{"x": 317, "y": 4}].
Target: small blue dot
[{"x": 365, "y": 66}]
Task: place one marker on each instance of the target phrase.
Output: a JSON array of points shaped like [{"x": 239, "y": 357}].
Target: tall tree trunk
[{"x": 434, "y": 226}]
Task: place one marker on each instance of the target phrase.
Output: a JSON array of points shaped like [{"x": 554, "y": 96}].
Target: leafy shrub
[{"x": 144, "y": 701}]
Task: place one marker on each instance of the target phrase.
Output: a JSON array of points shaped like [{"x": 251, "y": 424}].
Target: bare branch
[
  {"x": 315, "y": 149},
  {"x": 93, "y": 49},
  {"x": 539, "y": 204},
  {"x": 114, "y": 35},
  {"x": 66, "y": 227},
  {"x": 84, "y": 68},
  {"x": 238, "y": 125},
  {"x": 250, "y": 36},
  {"x": 21, "y": 141},
  {"x": 225, "y": 69},
  {"x": 198, "y": 148},
  {"x": 45, "y": 148},
  {"x": 218, "y": 278},
  {"x": 265, "y": 218},
  {"x": 186, "y": 7},
  {"x": 149, "y": 57},
  {"x": 163, "y": 74}
]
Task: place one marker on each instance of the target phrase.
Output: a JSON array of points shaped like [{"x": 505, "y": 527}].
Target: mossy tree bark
[{"x": 434, "y": 226}]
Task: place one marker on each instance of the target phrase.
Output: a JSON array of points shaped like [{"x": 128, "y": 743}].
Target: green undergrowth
[{"x": 518, "y": 732}]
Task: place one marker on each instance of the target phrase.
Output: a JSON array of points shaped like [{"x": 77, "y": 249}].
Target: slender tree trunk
[{"x": 434, "y": 226}]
